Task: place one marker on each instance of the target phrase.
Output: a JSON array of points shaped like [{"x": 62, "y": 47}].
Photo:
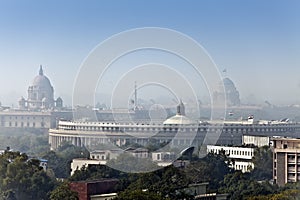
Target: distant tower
[
  {"x": 22, "y": 103},
  {"x": 180, "y": 109},
  {"x": 135, "y": 96},
  {"x": 59, "y": 103}
]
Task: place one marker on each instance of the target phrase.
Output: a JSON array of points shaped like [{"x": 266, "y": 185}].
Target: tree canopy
[
  {"x": 63, "y": 192},
  {"x": 23, "y": 178}
]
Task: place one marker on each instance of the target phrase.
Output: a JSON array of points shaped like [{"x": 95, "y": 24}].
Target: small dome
[
  {"x": 59, "y": 99},
  {"x": 179, "y": 120}
]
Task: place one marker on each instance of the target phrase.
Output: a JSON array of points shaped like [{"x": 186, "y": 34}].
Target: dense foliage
[
  {"x": 23, "y": 178},
  {"x": 60, "y": 160},
  {"x": 63, "y": 192},
  {"x": 211, "y": 168},
  {"x": 31, "y": 143},
  {"x": 263, "y": 162},
  {"x": 240, "y": 185}
]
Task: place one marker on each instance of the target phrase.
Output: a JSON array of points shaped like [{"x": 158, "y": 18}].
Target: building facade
[
  {"x": 193, "y": 134},
  {"x": 257, "y": 140},
  {"x": 241, "y": 156},
  {"x": 286, "y": 160},
  {"x": 38, "y": 112}
]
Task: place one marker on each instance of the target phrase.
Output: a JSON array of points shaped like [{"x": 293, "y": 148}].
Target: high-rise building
[{"x": 286, "y": 160}]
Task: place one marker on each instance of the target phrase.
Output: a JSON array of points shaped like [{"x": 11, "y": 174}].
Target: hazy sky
[{"x": 258, "y": 42}]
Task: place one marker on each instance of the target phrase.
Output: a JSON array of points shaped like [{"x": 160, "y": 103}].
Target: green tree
[
  {"x": 127, "y": 162},
  {"x": 168, "y": 182},
  {"x": 290, "y": 194},
  {"x": 263, "y": 164},
  {"x": 95, "y": 172},
  {"x": 211, "y": 168},
  {"x": 60, "y": 161},
  {"x": 240, "y": 186},
  {"x": 63, "y": 191},
  {"x": 23, "y": 178}
]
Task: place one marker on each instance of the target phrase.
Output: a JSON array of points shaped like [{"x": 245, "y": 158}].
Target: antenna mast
[{"x": 135, "y": 96}]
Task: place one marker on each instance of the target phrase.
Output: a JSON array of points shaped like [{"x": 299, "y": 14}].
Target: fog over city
[{"x": 256, "y": 45}]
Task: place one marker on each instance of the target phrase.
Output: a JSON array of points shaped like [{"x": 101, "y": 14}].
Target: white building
[
  {"x": 105, "y": 154},
  {"x": 100, "y": 157},
  {"x": 79, "y": 163},
  {"x": 256, "y": 140},
  {"x": 242, "y": 156},
  {"x": 163, "y": 156},
  {"x": 138, "y": 152}
]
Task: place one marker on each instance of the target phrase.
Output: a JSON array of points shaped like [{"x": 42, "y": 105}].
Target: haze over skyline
[{"x": 257, "y": 42}]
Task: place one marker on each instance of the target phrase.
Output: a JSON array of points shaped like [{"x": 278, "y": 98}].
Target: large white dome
[{"x": 41, "y": 81}]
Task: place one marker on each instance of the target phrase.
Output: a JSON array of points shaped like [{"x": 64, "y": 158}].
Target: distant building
[
  {"x": 105, "y": 154},
  {"x": 100, "y": 157},
  {"x": 286, "y": 160},
  {"x": 256, "y": 140},
  {"x": 241, "y": 156},
  {"x": 40, "y": 111},
  {"x": 26, "y": 120},
  {"x": 79, "y": 163},
  {"x": 138, "y": 152},
  {"x": 163, "y": 156},
  {"x": 40, "y": 95},
  {"x": 230, "y": 95}
]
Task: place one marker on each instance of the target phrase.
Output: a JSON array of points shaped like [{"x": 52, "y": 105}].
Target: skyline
[{"x": 256, "y": 42}]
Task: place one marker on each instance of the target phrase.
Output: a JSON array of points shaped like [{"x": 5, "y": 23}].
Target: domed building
[
  {"x": 231, "y": 93},
  {"x": 179, "y": 118},
  {"x": 40, "y": 94}
]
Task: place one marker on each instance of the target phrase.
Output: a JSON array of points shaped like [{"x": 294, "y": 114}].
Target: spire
[
  {"x": 180, "y": 108},
  {"x": 41, "y": 73},
  {"x": 135, "y": 96}
]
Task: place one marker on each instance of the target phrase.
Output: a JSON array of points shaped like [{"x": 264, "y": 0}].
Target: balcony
[
  {"x": 293, "y": 161},
  {"x": 291, "y": 170}
]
